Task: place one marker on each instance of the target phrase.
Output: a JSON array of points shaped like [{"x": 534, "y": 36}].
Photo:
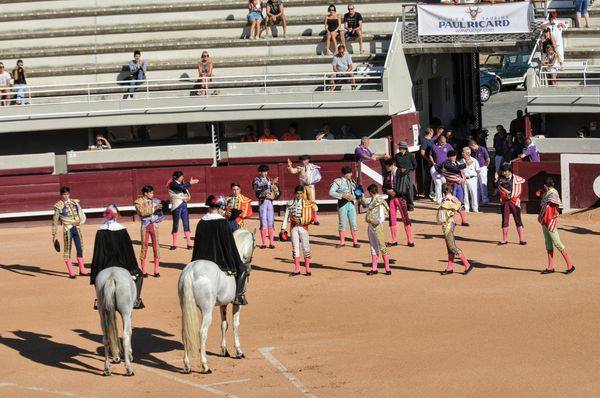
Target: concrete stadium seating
[{"x": 79, "y": 40}]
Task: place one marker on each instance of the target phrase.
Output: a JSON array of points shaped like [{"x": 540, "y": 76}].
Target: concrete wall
[
  {"x": 568, "y": 145},
  {"x": 38, "y": 160}
]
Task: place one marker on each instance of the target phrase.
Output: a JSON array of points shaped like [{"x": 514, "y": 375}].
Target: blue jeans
[
  {"x": 347, "y": 213},
  {"x": 181, "y": 213},
  {"x": 20, "y": 88},
  {"x": 138, "y": 76}
]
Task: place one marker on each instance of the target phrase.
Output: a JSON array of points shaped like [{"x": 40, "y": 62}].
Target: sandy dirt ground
[{"x": 504, "y": 330}]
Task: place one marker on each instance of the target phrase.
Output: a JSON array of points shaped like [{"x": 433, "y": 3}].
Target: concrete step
[
  {"x": 177, "y": 67},
  {"x": 592, "y": 55},
  {"x": 575, "y": 38},
  {"x": 91, "y": 9},
  {"x": 176, "y": 30},
  {"x": 167, "y": 49}
]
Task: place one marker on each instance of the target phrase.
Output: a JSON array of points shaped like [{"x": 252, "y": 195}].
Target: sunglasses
[{"x": 350, "y": 8}]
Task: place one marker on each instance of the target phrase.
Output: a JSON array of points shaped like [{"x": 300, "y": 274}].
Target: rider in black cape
[
  {"x": 113, "y": 248},
  {"x": 214, "y": 242}
]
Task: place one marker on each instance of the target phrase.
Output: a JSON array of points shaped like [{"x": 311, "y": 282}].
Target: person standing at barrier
[
  {"x": 438, "y": 154},
  {"x": 137, "y": 70},
  {"x": 445, "y": 216},
  {"x": 510, "y": 187},
  {"x": 469, "y": 185},
  {"x": 69, "y": 214},
  {"x": 309, "y": 176},
  {"x": 377, "y": 211},
  {"x": 150, "y": 211},
  {"x": 343, "y": 189},
  {"x": 406, "y": 160},
  {"x": 19, "y": 75},
  {"x": 548, "y": 218},
  {"x": 180, "y": 196},
  {"x": 238, "y": 207},
  {"x": 482, "y": 156},
  {"x": 300, "y": 213},
  {"x": 266, "y": 191},
  {"x": 396, "y": 186},
  {"x": 426, "y": 144},
  {"x": 499, "y": 148}
]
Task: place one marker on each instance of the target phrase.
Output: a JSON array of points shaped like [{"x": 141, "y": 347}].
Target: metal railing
[
  {"x": 569, "y": 74},
  {"x": 151, "y": 90}
]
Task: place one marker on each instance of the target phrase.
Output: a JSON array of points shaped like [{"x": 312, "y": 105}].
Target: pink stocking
[
  {"x": 567, "y": 259},
  {"x": 386, "y": 262},
  {"x": 156, "y": 266},
  {"x": 263, "y": 236},
  {"x": 394, "y": 233},
  {"x": 296, "y": 264},
  {"x": 464, "y": 260},
  {"x": 504, "y": 235},
  {"x": 69, "y": 267},
  {"x": 307, "y": 264},
  {"x": 521, "y": 232},
  {"x": 82, "y": 270},
  {"x": 342, "y": 238},
  {"x": 174, "y": 238},
  {"x": 463, "y": 217},
  {"x": 354, "y": 236},
  {"x": 271, "y": 236},
  {"x": 550, "y": 259},
  {"x": 144, "y": 267},
  {"x": 450, "y": 262},
  {"x": 374, "y": 261},
  {"x": 187, "y": 238}
]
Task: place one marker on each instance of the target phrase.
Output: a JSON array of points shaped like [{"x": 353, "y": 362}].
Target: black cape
[
  {"x": 214, "y": 242},
  {"x": 113, "y": 249}
]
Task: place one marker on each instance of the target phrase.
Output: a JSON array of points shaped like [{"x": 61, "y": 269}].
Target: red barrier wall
[
  {"x": 535, "y": 173},
  {"x": 581, "y": 182},
  {"x": 402, "y": 128}
]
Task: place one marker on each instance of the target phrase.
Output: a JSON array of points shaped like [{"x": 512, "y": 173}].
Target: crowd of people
[
  {"x": 393, "y": 199},
  {"x": 291, "y": 134}
]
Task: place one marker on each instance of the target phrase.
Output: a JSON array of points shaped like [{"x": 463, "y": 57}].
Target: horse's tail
[
  {"x": 190, "y": 325},
  {"x": 108, "y": 299}
]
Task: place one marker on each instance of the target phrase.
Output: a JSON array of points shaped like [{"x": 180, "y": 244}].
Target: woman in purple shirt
[
  {"x": 530, "y": 153},
  {"x": 437, "y": 155}
]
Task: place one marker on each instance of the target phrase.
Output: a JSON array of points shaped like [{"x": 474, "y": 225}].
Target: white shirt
[
  {"x": 5, "y": 78},
  {"x": 471, "y": 169}
]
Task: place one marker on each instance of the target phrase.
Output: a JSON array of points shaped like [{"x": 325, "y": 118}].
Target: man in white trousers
[
  {"x": 470, "y": 173},
  {"x": 483, "y": 158}
]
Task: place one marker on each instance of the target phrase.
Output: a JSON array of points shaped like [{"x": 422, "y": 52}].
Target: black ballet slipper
[
  {"x": 468, "y": 270},
  {"x": 411, "y": 244},
  {"x": 271, "y": 246},
  {"x": 172, "y": 247},
  {"x": 570, "y": 270},
  {"x": 522, "y": 243},
  {"x": 502, "y": 243},
  {"x": 157, "y": 275},
  {"x": 547, "y": 271},
  {"x": 447, "y": 272},
  {"x": 294, "y": 273},
  {"x": 372, "y": 272},
  {"x": 356, "y": 245},
  {"x": 388, "y": 272},
  {"x": 391, "y": 244}
]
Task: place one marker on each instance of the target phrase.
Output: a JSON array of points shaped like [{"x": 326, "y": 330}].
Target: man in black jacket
[
  {"x": 406, "y": 160},
  {"x": 397, "y": 186}
]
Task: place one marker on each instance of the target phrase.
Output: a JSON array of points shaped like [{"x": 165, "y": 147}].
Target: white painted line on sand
[
  {"x": 44, "y": 390},
  {"x": 227, "y": 382},
  {"x": 171, "y": 377},
  {"x": 266, "y": 352}
]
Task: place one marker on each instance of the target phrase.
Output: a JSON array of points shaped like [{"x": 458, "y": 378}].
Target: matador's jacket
[
  {"x": 69, "y": 214},
  {"x": 241, "y": 207}
]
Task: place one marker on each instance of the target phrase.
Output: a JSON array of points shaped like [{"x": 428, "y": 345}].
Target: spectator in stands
[
  {"x": 20, "y": 81},
  {"x": 205, "y": 72},
  {"x": 255, "y": 17},
  {"x": 556, "y": 28},
  {"x": 583, "y": 132},
  {"x": 342, "y": 68},
  {"x": 530, "y": 153},
  {"x": 363, "y": 152},
  {"x": 249, "y": 135},
  {"x": 550, "y": 62},
  {"x": 345, "y": 133},
  {"x": 5, "y": 83},
  {"x": 517, "y": 124},
  {"x": 546, "y": 39},
  {"x": 333, "y": 28},
  {"x": 581, "y": 8},
  {"x": 511, "y": 150},
  {"x": 325, "y": 133},
  {"x": 101, "y": 144},
  {"x": 275, "y": 16},
  {"x": 353, "y": 26},
  {"x": 267, "y": 136},
  {"x": 291, "y": 134},
  {"x": 137, "y": 69}
]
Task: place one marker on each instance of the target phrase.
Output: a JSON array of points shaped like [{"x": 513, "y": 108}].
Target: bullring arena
[{"x": 503, "y": 330}]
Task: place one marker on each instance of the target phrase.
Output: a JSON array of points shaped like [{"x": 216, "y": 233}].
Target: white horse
[
  {"x": 115, "y": 291},
  {"x": 202, "y": 284}
]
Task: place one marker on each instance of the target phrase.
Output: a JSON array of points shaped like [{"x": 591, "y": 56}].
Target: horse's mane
[{"x": 244, "y": 240}]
